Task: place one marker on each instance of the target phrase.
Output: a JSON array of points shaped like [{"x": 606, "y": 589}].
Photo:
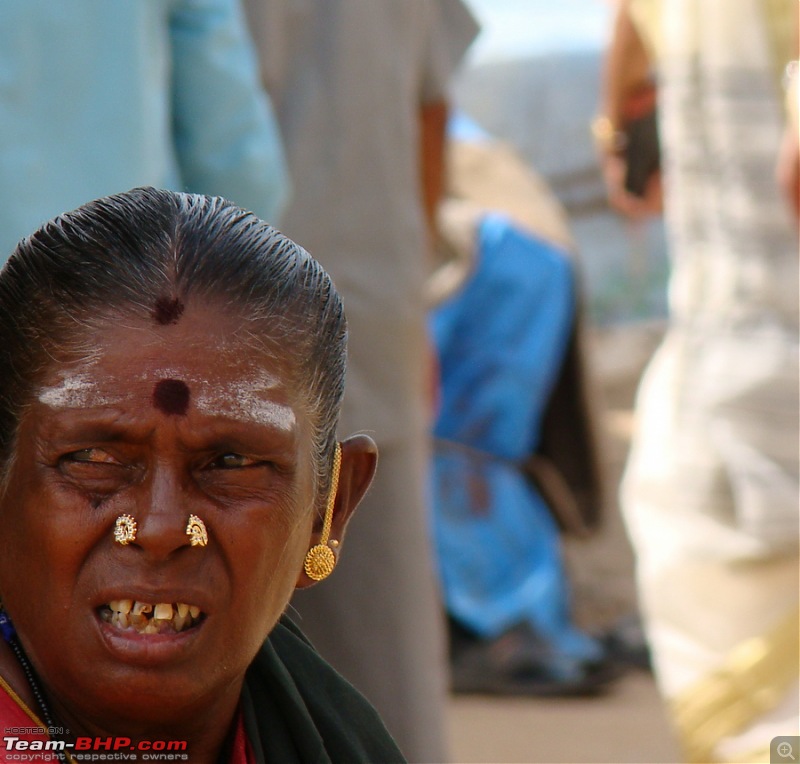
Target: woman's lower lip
[{"x": 146, "y": 649}]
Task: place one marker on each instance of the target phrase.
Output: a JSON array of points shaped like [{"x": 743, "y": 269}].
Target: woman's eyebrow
[{"x": 89, "y": 432}]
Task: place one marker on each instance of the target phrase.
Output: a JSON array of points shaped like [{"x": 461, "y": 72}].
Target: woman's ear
[{"x": 359, "y": 460}]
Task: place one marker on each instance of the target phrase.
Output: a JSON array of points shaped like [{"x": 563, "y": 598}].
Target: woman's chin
[{"x": 143, "y": 680}]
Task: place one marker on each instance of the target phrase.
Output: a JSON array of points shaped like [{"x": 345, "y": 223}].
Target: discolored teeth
[
  {"x": 121, "y": 606},
  {"x": 146, "y": 618}
]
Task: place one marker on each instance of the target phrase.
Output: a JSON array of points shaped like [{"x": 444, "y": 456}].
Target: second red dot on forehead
[
  {"x": 167, "y": 310},
  {"x": 171, "y": 397}
]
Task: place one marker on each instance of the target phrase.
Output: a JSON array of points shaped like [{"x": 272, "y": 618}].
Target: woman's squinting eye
[
  {"x": 231, "y": 461},
  {"x": 91, "y": 456}
]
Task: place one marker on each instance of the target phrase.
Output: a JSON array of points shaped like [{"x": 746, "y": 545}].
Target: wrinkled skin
[{"x": 97, "y": 442}]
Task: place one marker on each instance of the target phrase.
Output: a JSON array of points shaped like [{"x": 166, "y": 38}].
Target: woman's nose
[{"x": 162, "y": 514}]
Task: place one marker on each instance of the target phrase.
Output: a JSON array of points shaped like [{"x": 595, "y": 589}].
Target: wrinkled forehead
[
  {"x": 180, "y": 356},
  {"x": 254, "y": 395}
]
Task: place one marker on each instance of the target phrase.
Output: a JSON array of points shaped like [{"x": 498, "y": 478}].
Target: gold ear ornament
[{"x": 320, "y": 559}]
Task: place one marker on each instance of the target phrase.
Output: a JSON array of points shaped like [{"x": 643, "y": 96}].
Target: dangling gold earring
[{"x": 320, "y": 559}]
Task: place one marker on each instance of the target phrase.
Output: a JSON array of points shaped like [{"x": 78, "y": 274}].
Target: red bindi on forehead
[
  {"x": 167, "y": 310},
  {"x": 171, "y": 397}
]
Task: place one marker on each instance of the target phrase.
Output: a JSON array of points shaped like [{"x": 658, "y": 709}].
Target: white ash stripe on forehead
[
  {"x": 242, "y": 400},
  {"x": 77, "y": 390},
  {"x": 80, "y": 389}
]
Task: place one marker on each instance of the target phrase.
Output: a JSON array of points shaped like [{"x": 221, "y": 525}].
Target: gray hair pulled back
[{"x": 125, "y": 255}]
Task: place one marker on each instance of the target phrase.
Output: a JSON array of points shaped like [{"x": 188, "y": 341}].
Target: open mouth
[{"x": 148, "y": 618}]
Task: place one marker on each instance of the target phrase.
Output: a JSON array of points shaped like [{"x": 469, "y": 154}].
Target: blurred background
[{"x": 532, "y": 79}]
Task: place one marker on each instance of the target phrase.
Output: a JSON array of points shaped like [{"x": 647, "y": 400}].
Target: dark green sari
[{"x": 296, "y": 708}]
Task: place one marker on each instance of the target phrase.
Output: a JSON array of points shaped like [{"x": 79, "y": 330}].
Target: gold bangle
[{"x": 606, "y": 136}]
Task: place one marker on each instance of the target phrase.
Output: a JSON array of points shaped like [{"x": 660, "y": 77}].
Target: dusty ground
[{"x": 627, "y": 724}]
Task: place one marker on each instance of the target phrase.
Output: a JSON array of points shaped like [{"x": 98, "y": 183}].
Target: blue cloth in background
[{"x": 501, "y": 342}]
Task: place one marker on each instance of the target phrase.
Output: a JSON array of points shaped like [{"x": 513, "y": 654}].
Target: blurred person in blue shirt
[{"x": 97, "y": 97}]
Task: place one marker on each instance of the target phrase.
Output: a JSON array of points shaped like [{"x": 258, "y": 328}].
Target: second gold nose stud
[
  {"x": 125, "y": 529},
  {"x": 196, "y": 531}
]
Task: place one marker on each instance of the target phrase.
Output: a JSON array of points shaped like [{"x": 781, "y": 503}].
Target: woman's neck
[{"x": 200, "y": 732}]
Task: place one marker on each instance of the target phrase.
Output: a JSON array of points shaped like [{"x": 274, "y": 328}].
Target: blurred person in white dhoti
[{"x": 710, "y": 494}]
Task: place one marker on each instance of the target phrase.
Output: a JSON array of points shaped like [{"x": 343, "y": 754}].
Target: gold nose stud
[
  {"x": 196, "y": 531},
  {"x": 125, "y": 529}
]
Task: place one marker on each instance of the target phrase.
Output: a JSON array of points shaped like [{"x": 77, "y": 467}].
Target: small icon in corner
[{"x": 784, "y": 749}]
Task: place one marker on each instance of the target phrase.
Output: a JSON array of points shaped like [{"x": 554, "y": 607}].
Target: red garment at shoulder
[{"x": 20, "y": 732}]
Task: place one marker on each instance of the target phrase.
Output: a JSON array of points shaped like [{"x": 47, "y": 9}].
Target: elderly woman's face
[{"x": 166, "y": 422}]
